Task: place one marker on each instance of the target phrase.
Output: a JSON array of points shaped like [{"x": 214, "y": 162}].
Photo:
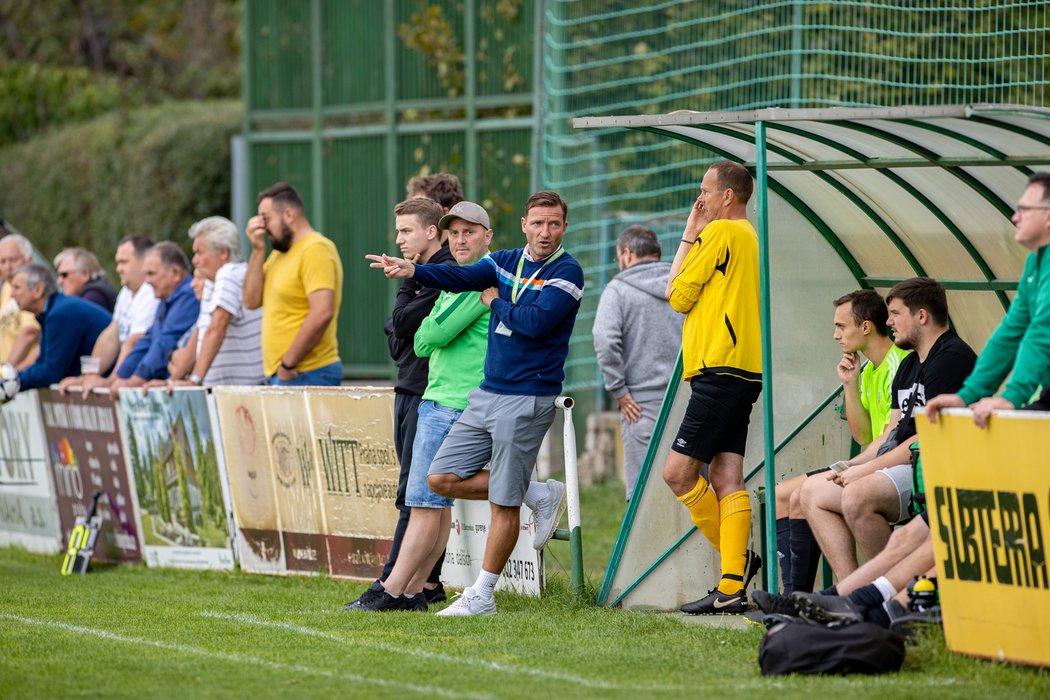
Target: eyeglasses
[{"x": 1024, "y": 209}]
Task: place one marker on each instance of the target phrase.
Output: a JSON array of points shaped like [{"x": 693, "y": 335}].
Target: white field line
[
  {"x": 420, "y": 653},
  {"x": 240, "y": 658}
]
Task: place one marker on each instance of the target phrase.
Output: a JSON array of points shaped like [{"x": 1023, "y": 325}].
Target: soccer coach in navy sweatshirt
[
  {"x": 534, "y": 294},
  {"x": 69, "y": 326}
]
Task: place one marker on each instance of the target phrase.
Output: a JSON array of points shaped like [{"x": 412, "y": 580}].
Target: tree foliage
[
  {"x": 153, "y": 170},
  {"x": 68, "y": 60}
]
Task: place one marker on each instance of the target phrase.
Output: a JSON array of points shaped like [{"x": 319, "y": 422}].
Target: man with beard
[
  {"x": 299, "y": 287},
  {"x": 872, "y": 493}
]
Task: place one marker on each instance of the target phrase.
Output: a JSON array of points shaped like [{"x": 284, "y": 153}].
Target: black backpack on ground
[{"x": 811, "y": 649}]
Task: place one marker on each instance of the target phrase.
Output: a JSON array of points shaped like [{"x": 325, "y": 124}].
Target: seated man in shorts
[{"x": 860, "y": 504}]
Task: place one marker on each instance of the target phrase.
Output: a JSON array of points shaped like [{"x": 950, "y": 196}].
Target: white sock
[
  {"x": 885, "y": 587},
  {"x": 485, "y": 584},
  {"x": 410, "y": 596},
  {"x": 536, "y": 493}
]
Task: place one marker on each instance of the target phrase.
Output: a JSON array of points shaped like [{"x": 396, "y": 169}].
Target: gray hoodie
[{"x": 637, "y": 334}]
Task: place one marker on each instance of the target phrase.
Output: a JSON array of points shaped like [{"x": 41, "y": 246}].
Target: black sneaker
[
  {"x": 417, "y": 603},
  {"x": 381, "y": 602},
  {"x": 751, "y": 567},
  {"x": 908, "y": 624},
  {"x": 774, "y": 603},
  {"x": 435, "y": 595},
  {"x": 827, "y": 609},
  {"x": 367, "y": 598},
  {"x": 716, "y": 603}
]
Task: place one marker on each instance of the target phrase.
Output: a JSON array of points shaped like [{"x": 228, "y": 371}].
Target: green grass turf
[{"x": 128, "y": 631}]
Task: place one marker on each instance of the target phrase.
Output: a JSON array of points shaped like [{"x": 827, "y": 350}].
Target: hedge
[{"x": 153, "y": 170}]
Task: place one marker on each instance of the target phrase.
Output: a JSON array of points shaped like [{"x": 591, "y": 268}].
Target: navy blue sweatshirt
[
  {"x": 530, "y": 361},
  {"x": 69, "y": 328}
]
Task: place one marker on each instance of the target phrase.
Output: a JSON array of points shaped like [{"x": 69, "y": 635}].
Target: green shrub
[{"x": 153, "y": 170}]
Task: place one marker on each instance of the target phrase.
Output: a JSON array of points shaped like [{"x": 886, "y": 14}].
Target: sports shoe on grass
[
  {"x": 379, "y": 602},
  {"x": 417, "y": 603},
  {"x": 716, "y": 603},
  {"x": 435, "y": 595},
  {"x": 469, "y": 603},
  {"x": 827, "y": 609},
  {"x": 367, "y": 598},
  {"x": 547, "y": 513},
  {"x": 775, "y": 604}
]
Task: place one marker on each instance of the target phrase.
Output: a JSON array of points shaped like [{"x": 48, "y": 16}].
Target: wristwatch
[
  {"x": 196, "y": 379},
  {"x": 286, "y": 367}
]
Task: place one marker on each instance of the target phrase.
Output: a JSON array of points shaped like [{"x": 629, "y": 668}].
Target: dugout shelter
[{"x": 844, "y": 198}]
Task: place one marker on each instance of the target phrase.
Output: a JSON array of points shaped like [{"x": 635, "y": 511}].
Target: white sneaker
[
  {"x": 469, "y": 603},
  {"x": 547, "y": 513}
]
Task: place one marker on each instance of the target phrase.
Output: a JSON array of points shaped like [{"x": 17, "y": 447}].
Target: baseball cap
[{"x": 468, "y": 211}]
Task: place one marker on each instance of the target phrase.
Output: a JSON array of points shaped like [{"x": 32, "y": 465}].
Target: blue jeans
[
  {"x": 329, "y": 375},
  {"x": 434, "y": 423}
]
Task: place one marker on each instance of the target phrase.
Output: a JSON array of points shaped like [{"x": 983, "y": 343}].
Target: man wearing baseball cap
[
  {"x": 534, "y": 295},
  {"x": 454, "y": 336}
]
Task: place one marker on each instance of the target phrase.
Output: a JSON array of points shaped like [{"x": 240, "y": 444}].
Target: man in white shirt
[
  {"x": 228, "y": 337},
  {"x": 133, "y": 312}
]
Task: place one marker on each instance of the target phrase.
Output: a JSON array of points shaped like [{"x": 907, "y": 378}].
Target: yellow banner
[{"x": 988, "y": 493}]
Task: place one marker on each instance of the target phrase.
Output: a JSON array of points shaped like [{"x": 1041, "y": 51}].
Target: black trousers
[{"x": 406, "y": 413}]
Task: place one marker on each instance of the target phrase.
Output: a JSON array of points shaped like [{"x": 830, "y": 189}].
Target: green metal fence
[
  {"x": 632, "y": 57},
  {"x": 348, "y": 99}
]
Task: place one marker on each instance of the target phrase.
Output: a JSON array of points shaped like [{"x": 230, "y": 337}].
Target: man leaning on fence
[
  {"x": 1021, "y": 343},
  {"x": 69, "y": 325},
  {"x": 226, "y": 341}
]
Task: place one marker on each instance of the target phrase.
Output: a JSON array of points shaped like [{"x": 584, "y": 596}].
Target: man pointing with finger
[{"x": 533, "y": 294}]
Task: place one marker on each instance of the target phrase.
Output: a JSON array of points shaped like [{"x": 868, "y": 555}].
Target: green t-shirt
[
  {"x": 875, "y": 392},
  {"x": 455, "y": 336}
]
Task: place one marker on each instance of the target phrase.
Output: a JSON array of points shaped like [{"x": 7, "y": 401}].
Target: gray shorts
[
  {"x": 901, "y": 476},
  {"x": 502, "y": 430}
]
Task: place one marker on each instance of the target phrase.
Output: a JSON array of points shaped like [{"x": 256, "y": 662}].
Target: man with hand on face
[
  {"x": 19, "y": 331},
  {"x": 133, "y": 313},
  {"x": 714, "y": 282},
  {"x": 300, "y": 288},
  {"x": 873, "y": 492},
  {"x": 534, "y": 294},
  {"x": 454, "y": 336}
]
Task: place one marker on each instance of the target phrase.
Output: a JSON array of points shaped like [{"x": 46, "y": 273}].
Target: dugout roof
[{"x": 866, "y": 197}]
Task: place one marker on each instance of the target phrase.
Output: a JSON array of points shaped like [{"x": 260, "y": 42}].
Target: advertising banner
[
  {"x": 296, "y": 481},
  {"x": 180, "y": 508},
  {"x": 84, "y": 448},
  {"x": 353, "y": 434},
  {"x": 523, "y": 572},
  {"x": 28, "y": 514},
  {"x": 246, "y": 453},
  {"x": 989, "y": 503}
]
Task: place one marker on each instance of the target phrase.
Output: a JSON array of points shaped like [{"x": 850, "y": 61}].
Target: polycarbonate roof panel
[{"x": 893, "y": 190}]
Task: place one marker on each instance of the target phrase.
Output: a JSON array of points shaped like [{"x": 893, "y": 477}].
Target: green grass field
[{"x": 131, "y": 631}]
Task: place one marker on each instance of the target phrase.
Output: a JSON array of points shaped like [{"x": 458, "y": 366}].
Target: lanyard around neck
[{"x": 521, "y": 266}]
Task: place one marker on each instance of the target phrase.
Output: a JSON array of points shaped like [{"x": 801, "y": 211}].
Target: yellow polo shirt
[{"x": 309, "y": 265}]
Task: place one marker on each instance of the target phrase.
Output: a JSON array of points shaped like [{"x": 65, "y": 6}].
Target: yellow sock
[
  {"x": 735, "y": 513},
  {"x": 703, "y": 509}
]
